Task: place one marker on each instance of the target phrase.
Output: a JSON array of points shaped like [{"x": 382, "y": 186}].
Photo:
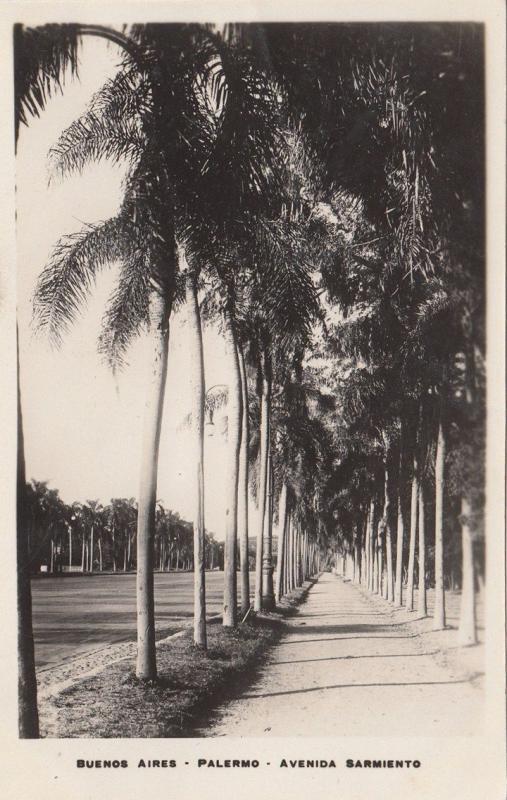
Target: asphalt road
[{"x": 76, "y": 614}]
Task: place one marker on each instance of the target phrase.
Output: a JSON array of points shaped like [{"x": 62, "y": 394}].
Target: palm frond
[
  {"x": 111, "y": 128},
  {"x": 127, "y": 311},
  {"x": 66, "y": 281},
  {"x": 43, "y": 56},
  {"x": 285, "y": 288}
]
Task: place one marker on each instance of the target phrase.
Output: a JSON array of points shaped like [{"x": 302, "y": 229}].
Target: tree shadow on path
[
  {"x": 347, "y": 658},
  {"x": 358, "y": 629},
  {"x": 349, "y": 686}
]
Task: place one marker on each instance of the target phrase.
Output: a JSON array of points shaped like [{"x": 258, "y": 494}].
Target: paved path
[{"x": 348, "y": 667}]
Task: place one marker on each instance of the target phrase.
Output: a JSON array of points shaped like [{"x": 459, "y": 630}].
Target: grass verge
[{"x": 190, "y": 682}]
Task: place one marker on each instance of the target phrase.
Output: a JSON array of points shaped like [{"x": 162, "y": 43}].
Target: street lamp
[{"x": 215, "y": 397}]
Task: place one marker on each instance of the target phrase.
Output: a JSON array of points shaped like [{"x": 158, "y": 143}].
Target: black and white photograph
[{"x": 253, "y": 357}]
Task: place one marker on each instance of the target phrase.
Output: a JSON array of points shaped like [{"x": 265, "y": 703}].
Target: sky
[{"x": 83, "y": 425}]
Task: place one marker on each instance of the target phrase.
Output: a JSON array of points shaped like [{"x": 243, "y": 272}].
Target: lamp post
[{"x": 215, "y": 397}]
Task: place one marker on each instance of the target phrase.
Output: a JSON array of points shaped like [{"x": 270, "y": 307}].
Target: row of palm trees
[
  {"x": 312, "y": 204},
  {"x": 89, "y": 537}
]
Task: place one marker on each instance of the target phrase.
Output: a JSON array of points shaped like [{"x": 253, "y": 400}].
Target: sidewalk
[{"x": 349, "y": 667}]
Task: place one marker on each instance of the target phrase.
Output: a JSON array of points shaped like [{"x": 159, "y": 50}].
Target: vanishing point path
[{"x": 348, "y": 666}]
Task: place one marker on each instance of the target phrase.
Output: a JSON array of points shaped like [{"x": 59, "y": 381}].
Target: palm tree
[
  {"x": 143, "y": 239},
  {"x": 91, "y": 512},
  {"x": 41, "y": 57}
]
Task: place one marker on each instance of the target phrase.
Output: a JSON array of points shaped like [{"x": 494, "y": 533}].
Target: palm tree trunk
[
  {"x": 91, "y": 549},
  {"x": 439, "y": 610},
  {"x": 100, "y": 554},
  {"x": 281, "y": 555},
  {"x": 375, "y": 557},
  {"x": 52, "y": 557},
  {"x": 301, "y": 556},
  {"x": 372, "y": 557},
  {"x": 303, "y": 551},
  {"x": 389, "y": 592},
  {"x": 70, "y": 548},
  {"x": 263, "y": 476},
  {"x": 298, "y": 556},
  {"x": 421, "y": 594},
  {"x": 295, "y": 534},
  {"x": 367, "y": 551},
  {"x": 243, "y": 489},
  {"x": 380, "y": 557},
  {"x": 114, "y": 550},
  {"x": 467, "y": 631},
  {"x": 400, "y": 535},
  {"x": 292, "y": 559},
  {"x": 400, "y": 529},
  {"x": 413, "y": 533},
  {"x": 288, "y": 554},
  {"x": 83, "y": 555},
  {"x": 235, "y": 412},
  {"x": 357, "y": 554},
  {"x": 283, "y": 585},
  {"x": 28, "y": 716},
  {"x": 196, "y": 360},
  {"x": 159, "y": 328},
  {"x": 268, "y": 595}
]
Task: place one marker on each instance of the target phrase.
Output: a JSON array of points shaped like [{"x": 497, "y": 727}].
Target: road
[{"x": 76, "y": 614}]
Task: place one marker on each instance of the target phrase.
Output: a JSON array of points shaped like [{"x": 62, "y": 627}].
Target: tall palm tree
[{"x": 41, "y": 57}]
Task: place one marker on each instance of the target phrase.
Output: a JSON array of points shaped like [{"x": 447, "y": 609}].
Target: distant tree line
[{"x": 92, "y": 537}]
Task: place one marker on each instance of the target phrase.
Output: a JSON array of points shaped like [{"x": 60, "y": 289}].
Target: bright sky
[{"x": 82, "y": 425}]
